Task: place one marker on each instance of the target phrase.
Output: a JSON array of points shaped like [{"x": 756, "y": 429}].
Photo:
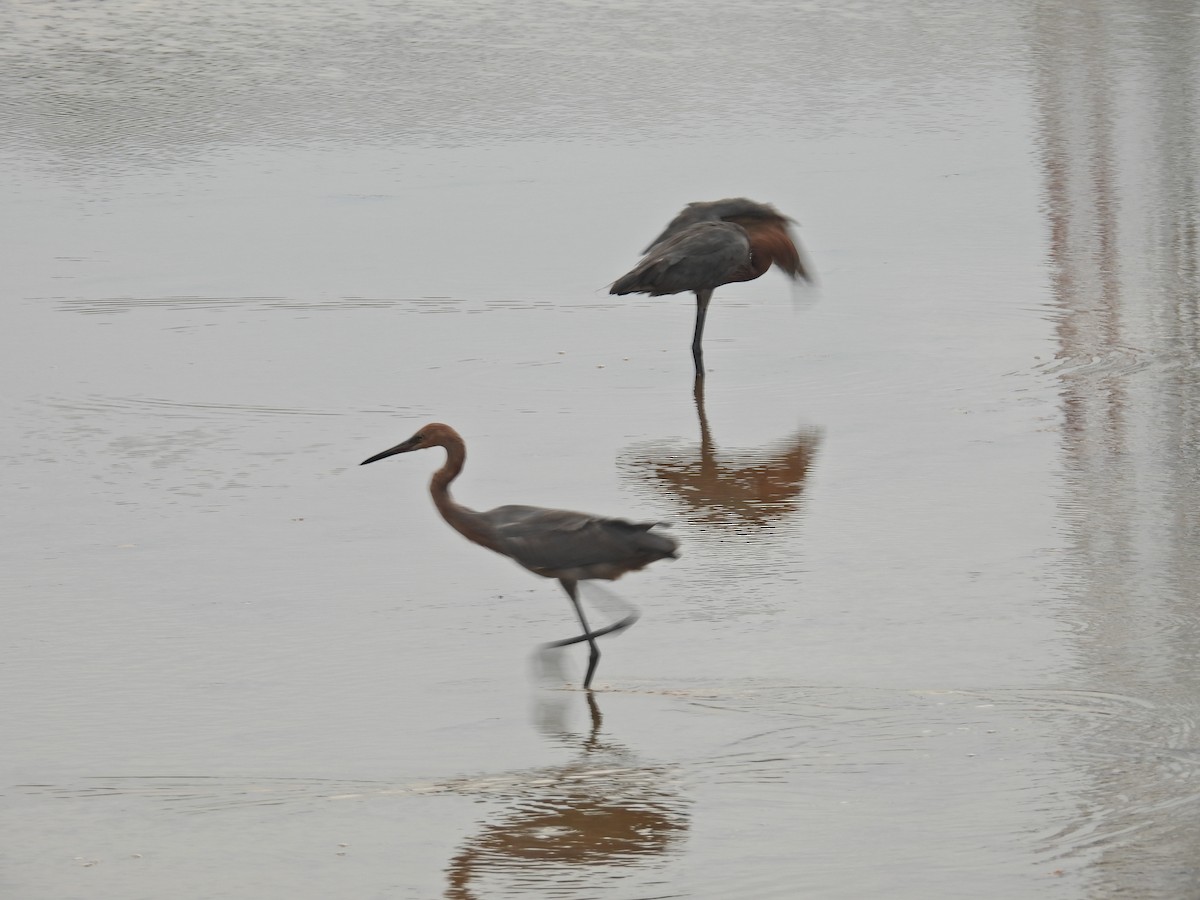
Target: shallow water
[{"x": 933, "y": 629}]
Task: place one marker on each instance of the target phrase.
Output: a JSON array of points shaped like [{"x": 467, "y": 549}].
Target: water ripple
[
  {"x": 158, "y": 407},
  {"x": 117, "y": 305}
]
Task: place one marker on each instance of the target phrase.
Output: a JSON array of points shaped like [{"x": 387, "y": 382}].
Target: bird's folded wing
[
  {"x": 553, "y": 539},
  {"x": 705, "y": 255}
]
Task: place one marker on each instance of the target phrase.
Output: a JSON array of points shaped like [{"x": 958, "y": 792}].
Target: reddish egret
[
  {"x": 553, "y": 543},
  {"x": 711, "y": 244}
]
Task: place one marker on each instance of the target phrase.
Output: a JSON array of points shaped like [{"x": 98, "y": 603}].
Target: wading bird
[
  {"x": 553, "y": 543},
  {"x": 711, "y": 244}
]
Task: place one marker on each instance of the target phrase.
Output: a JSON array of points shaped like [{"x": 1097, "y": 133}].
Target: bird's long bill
[{"x": 410, "y": 444}]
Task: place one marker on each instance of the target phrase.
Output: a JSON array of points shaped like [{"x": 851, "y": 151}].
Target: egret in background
[
  {"x": 553, "y": 543},
  {"x": 711, "y": 244}
]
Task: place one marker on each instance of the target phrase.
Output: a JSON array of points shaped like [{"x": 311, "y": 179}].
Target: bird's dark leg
[
  {"x": 599, "y": 632},
  {"x": 572, "y": 590},
  {"x": 702, "y": 298}
]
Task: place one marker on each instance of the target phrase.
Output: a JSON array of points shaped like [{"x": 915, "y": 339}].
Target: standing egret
[{"x": 711, "y": 244}]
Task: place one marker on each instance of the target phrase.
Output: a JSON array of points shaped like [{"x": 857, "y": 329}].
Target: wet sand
[{"x": 932, "y": 631}]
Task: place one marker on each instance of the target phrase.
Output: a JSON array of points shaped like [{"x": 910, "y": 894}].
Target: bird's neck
[
  {"x": 465, "y": 521},
  {"x": 439, "y": 486}
]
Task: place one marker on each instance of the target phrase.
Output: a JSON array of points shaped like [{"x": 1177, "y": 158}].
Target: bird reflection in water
[
  {"x": 743, "y": 487},
  {"x": 572, "y": 830}
]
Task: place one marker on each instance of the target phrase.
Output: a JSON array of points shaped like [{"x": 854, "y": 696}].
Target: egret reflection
[
  {"x": 604, "y": 814},
  {"x": 742, "y": 487}
]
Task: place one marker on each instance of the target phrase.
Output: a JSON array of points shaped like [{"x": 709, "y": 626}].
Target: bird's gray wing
[
  {"x": 688, "y": 216},
  {"x": 561, "y": 543},
  {"x": 713, "y": 211},
  {"x": 702, "y": 256}
]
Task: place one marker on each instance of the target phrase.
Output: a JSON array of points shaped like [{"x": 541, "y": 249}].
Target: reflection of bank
[
  {"x": 1118, "y": 102},
  {"x": 576, "y": 829},
  {"x": 737, "y": 488}
]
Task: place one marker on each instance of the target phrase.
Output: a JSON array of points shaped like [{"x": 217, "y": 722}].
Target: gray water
[{"x": 933, "y": 632}]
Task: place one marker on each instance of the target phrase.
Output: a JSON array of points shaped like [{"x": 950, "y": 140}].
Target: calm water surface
[{"x": 933, "y": 632}]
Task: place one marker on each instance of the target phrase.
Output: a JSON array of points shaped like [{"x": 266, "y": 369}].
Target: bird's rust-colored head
[
  {"x": 434, "y": 434},
  {"x": 771, "y": 241}
]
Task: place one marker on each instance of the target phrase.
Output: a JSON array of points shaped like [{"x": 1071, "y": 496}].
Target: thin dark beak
[{"x": 406, "y": 447}]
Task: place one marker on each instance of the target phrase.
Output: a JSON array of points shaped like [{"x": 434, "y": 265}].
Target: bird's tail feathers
[{"x": 630, "y": 283}]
